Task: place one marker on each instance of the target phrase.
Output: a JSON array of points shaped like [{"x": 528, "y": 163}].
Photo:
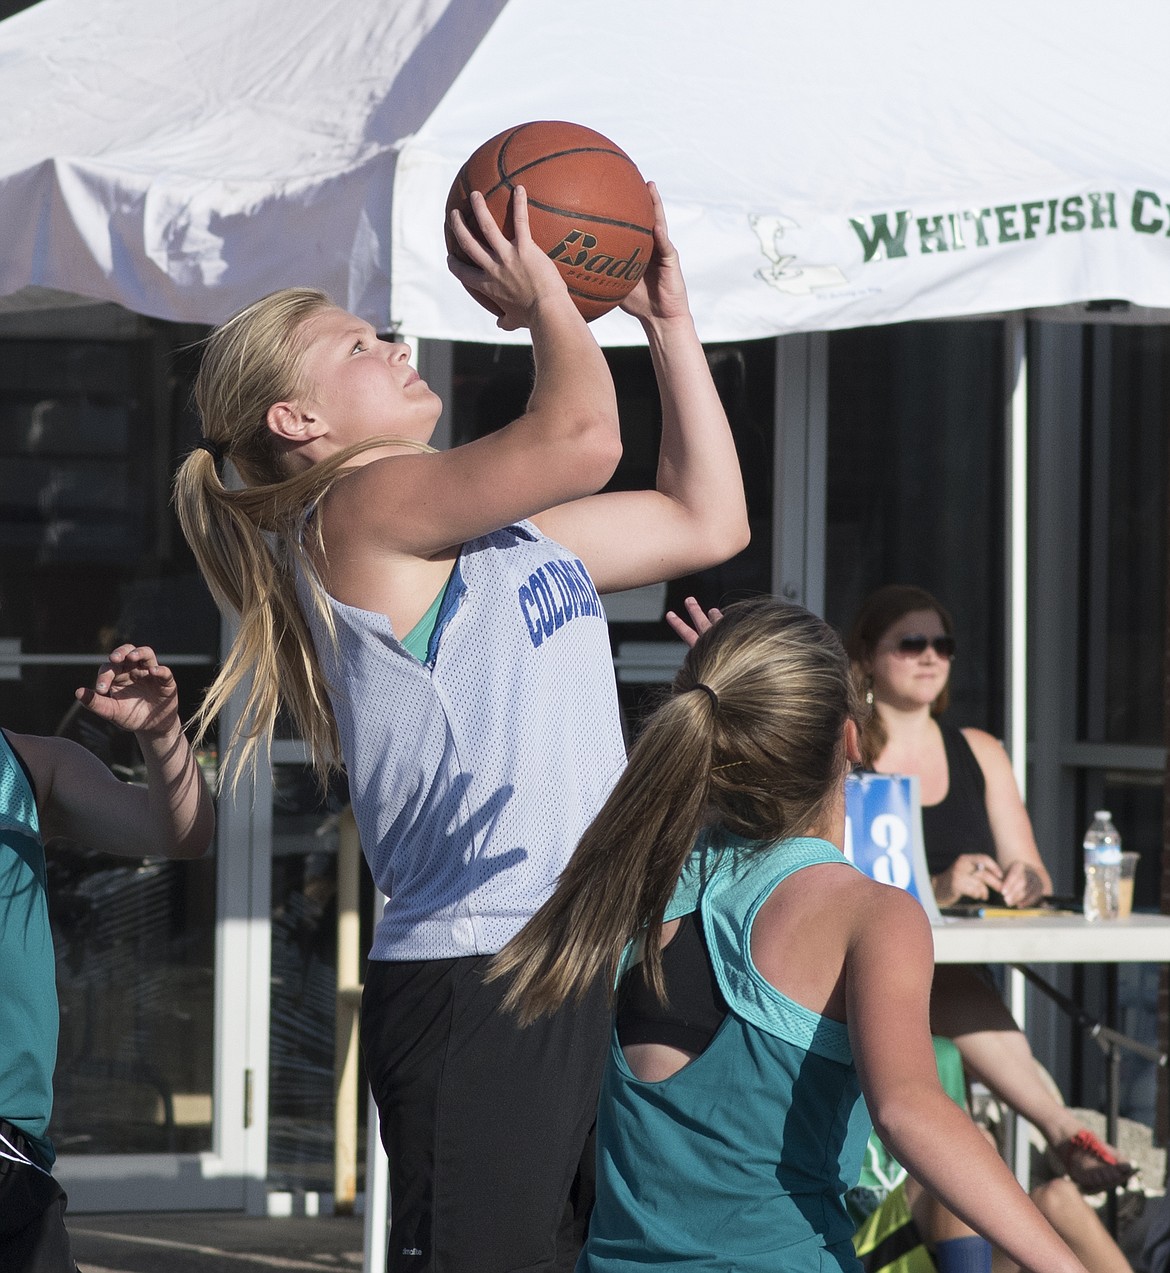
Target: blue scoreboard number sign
[{"x": 883, "y": 832}]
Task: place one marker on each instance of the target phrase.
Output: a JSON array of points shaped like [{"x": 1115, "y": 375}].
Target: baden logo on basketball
[{"x": 576, "y": 251}]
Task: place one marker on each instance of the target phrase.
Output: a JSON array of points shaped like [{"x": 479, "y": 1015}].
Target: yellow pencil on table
[{"x": 1012, "y": 912}]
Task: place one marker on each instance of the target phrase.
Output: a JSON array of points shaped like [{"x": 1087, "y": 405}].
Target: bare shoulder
[
  {"x": 989, "y": 751},
  {"x": 826, "y": 919},
  {"x": 888, "y": 918},
  {"x": 996, "y": 764},
  {"x": 370, "y": 498},
  {"x": 885, "y": 902},
  {"x": 837, "y": 894},
  {"x": 869, "y": 908}
]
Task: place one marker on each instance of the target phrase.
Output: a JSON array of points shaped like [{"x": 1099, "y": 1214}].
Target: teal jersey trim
[
  {"x": 727, "y": 881},
  {"x": 29, "y": 1017}
]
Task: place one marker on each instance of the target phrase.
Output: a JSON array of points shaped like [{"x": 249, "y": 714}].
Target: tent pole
[
  {"x": 1016, "y": 540},
  {"x": 1016, "y": 627}
]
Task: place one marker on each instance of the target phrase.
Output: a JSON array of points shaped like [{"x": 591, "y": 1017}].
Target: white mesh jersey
[{"x": 473, "y": 775}]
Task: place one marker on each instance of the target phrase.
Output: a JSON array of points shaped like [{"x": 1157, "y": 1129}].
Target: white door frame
[
  {"x": 231, "y": 1176},
  {"x": 800, "y": 430}
]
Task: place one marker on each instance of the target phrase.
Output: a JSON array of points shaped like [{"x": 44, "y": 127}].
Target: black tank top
[
  {"x": 958, "y": 823},
  {"x": 695, "y": 1006}
]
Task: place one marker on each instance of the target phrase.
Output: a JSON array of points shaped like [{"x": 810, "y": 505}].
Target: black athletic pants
[
  {"x": 485, "y": 1123},
  {"x": 33, "y": 1238}
]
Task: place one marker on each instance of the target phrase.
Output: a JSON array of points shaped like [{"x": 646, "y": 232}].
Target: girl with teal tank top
[
  {"x": 787, "y": 1066},
  {"x": 760, "y": 1020}
]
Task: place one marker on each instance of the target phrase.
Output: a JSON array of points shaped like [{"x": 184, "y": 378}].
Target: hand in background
[
  {"x": 1022, "y": 885},
  {"x": 971, "y": 875},
  {"x": 700, "y": 621},
  {"x": 134, "y": 691}
]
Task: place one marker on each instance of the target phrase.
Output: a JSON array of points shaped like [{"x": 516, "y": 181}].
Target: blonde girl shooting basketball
[{"x": 431, "y": 620}]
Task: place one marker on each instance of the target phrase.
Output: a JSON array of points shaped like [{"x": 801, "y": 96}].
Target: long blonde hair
[
  {"x": 250, "y": 542},
  {"x": 877, "y": 615},
  {"x": 750, "y": 742}
]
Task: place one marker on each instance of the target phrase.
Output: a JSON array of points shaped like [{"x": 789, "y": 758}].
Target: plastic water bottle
[{"x": 1102, "y": 867}]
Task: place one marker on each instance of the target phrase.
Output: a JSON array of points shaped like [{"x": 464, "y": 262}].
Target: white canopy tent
[{"x": 823, "y": 166}]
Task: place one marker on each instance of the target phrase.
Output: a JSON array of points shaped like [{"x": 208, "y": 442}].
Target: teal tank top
[
  {"x": 741, "y": 1159},
  {"x": 28, "y": 1005}
]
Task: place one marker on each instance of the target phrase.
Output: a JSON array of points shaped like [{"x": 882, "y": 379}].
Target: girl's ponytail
[
  {"x": 252, "y": 540},
  {"x": 251, "y": 575},
  {"x": 751, "y": 743},
  {"x": 625, "y": 869}
]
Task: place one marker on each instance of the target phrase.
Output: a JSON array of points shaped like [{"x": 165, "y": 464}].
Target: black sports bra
[{"x": 695, "y": 1006}]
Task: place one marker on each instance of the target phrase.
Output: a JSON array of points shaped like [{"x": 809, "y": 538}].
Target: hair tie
[
  {"x": 212, "y": 448},
  {"x": 710, "y": 694}
]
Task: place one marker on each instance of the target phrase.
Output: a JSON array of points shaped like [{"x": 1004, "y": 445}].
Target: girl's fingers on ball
[
  {"x": 520, "y": 212},
  {"x": 469, "y": 243},
  {"x": 493, "y": 236}
]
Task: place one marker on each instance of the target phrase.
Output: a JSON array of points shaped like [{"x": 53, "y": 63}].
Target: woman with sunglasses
[
  {"x": 978, "y": 840},
  {"x": 978, "y": 836}
]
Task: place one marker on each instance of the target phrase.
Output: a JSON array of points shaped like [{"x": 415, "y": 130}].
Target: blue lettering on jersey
[
  {"x": 554, "y": 594},
  {"x": 592, "y": 600},
  {"x": 569, "y": 601}
]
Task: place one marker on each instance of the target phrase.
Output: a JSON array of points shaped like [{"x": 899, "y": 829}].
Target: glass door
[
  {"x": 1100, "y": 399},
  {"x": 915, "y": 482},
  {"x": 321, "y": 900},
  {"x": 154, "y": 957}
]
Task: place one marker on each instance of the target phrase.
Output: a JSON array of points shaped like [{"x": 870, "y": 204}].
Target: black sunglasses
[{"x": 913, "y": 646}]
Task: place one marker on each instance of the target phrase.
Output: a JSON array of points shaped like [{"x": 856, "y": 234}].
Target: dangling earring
[{"x": 869, "y": 692}]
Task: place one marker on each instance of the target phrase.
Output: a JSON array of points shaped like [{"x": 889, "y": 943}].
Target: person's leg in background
[
  {"x": 1079, "y": 1225},
  {"x": 964, "y": 1007}
]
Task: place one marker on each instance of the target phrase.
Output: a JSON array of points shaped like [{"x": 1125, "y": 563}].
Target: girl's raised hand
[
  {"x": 514, "y": 275},
  {"x": 135, "y": 691},
  {"x": 700, "y": 621},
  {"x": 661, "y": 292}
]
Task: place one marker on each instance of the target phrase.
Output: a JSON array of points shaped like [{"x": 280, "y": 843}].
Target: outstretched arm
[
  {"x": 172, "y": 815},
  {"x": 888, "y": 975},
  {"x": 696, "y": 516}
]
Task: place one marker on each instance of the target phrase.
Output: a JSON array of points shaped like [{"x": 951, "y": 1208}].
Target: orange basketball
[{"x": 588, "y": 206}]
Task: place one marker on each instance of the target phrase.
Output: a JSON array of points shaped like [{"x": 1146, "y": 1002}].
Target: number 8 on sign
[
  {"x": 889, "y": 832},
  {"x": 883, "y": 833}
]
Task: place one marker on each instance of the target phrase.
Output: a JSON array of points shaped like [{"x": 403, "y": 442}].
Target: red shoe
[{"x": 1091, "y": 1164}]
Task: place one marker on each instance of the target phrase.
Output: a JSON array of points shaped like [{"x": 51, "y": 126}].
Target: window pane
[
  {"x": 915, "y": 486},
  {"x": 304, "y": 979},
  {"x": 135, "y": 948},
  {"x": 90, "y": 555},
  {"x": 1124, "y": 609}
]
